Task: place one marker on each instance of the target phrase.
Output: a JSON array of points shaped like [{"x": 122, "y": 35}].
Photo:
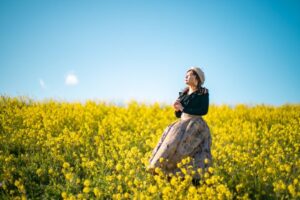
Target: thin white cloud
[
  {"x": 42, "y": 83},
  {"x": 71, "y": 79}
]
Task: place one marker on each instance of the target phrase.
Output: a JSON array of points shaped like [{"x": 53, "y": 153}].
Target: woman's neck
[{"x": 192, "y": 89}]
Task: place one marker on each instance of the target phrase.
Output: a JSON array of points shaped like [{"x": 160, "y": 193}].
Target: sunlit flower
[{"x": 87, "y": 182}]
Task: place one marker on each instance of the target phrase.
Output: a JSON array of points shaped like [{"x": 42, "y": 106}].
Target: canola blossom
[{"x": 98, "y": 150}]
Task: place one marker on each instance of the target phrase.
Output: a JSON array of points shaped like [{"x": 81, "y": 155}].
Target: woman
[{"x": 189, "y": 136}]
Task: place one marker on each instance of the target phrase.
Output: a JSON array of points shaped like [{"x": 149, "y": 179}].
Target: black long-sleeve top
[{"x": 194, "y": 104}]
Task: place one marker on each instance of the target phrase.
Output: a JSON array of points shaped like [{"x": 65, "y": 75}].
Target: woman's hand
[{"x": 177, "y": 105}]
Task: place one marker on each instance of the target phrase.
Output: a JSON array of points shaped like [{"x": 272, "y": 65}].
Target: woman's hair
[{"x": 200, "y": 89}]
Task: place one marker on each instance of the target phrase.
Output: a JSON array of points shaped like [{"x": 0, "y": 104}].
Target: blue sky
[{"x": 122, "y": 50}]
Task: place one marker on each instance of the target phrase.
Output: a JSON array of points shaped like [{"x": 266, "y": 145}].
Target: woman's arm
[
  {"x": 178, "y": 113},
  {"x": 178, "y": 108},
  {"x": 199, "y": 106}
]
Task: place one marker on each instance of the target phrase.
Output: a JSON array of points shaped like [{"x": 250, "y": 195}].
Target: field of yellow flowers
[{"x": 98, "y": 150}]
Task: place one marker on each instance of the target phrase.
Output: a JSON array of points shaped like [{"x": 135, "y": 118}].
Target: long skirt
[{"x": 181, "y": 139}]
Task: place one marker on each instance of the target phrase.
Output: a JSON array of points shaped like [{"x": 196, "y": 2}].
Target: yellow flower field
[{"x": 98, "y": 150}]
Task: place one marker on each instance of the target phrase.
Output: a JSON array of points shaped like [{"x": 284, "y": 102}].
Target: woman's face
[{"x": 190, "y": 79}]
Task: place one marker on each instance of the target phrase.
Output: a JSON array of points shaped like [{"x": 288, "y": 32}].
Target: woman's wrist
[{"x": 181, "y": 108}]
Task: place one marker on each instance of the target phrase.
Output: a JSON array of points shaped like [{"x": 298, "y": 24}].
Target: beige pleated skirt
[{"x": 188, "y": 137}]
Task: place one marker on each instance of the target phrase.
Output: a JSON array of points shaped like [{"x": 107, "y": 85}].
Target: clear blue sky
[{"x": 123, "y": 50}]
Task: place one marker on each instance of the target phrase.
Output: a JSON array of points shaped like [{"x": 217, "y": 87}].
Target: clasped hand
[{"x": 177, "y": 105}]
